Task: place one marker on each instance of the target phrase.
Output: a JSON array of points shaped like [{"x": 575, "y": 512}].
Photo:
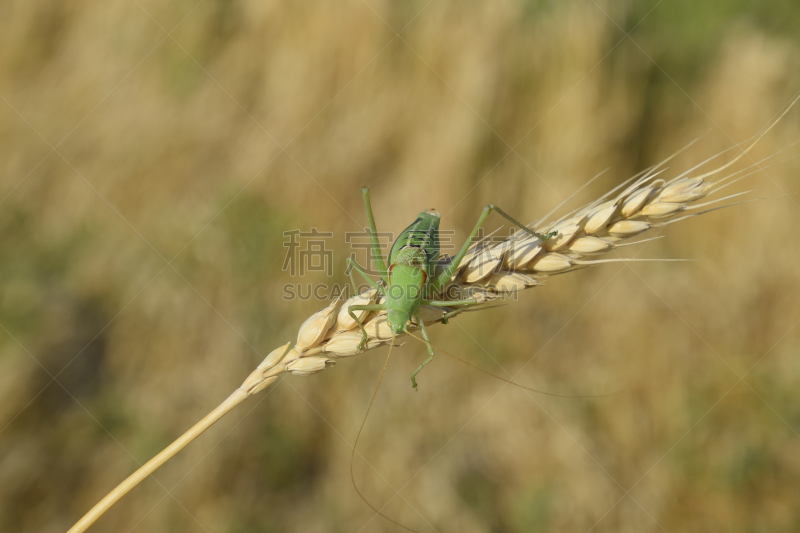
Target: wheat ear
[{"x": 486, "y": 273}]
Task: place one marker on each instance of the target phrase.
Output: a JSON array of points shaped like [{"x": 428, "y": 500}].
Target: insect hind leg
[
  {"x": 444, "y": 276},
  {"x": 520, "y": 225}
]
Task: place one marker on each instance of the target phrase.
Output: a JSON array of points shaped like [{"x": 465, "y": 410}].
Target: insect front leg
[
  {"x": 430, "y": 351},
  {"x": 367, "y": 307}
]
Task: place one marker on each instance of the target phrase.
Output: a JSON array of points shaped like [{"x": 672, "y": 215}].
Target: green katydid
[{"x": 411, "y": 279}]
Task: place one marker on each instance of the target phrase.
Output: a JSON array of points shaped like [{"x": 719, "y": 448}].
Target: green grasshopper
[{"x": 411, "y": 279}]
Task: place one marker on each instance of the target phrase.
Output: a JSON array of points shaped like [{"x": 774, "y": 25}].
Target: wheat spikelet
[
  {"x": 486, "y": 273},
  {"x": 519, "y": 263},
  {"x": 515, "y": 264}
]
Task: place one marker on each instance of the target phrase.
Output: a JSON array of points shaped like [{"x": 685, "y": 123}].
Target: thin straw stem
[{"x": 238, "y": 396}]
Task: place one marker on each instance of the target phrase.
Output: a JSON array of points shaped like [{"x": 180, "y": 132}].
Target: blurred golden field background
[{"x": 152, "y": 155}]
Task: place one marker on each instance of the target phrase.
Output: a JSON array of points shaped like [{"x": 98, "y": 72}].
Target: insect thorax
[
  {"x": 413, "y": 257},
  {"x": 422, "y": 234}
]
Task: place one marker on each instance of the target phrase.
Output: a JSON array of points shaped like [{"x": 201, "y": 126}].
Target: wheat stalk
[{"x": 487, "y": 272}]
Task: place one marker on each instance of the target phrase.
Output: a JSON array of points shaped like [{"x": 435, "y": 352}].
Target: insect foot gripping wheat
[{"x": 475, "y": 276}]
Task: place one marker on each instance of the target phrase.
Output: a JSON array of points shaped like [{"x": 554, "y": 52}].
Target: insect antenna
[
  {"x": 511, "y": 382},
  {"x": 358, "y": 436},
  {"x": 475, "y": 310}
]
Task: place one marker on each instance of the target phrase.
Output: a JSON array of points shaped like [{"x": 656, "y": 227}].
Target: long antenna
[
  {"x": 363, "y": 422},
  {"x": 511, "y": 382}
]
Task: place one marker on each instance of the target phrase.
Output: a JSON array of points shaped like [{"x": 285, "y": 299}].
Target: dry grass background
[{"x": 141, "y": 264}]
